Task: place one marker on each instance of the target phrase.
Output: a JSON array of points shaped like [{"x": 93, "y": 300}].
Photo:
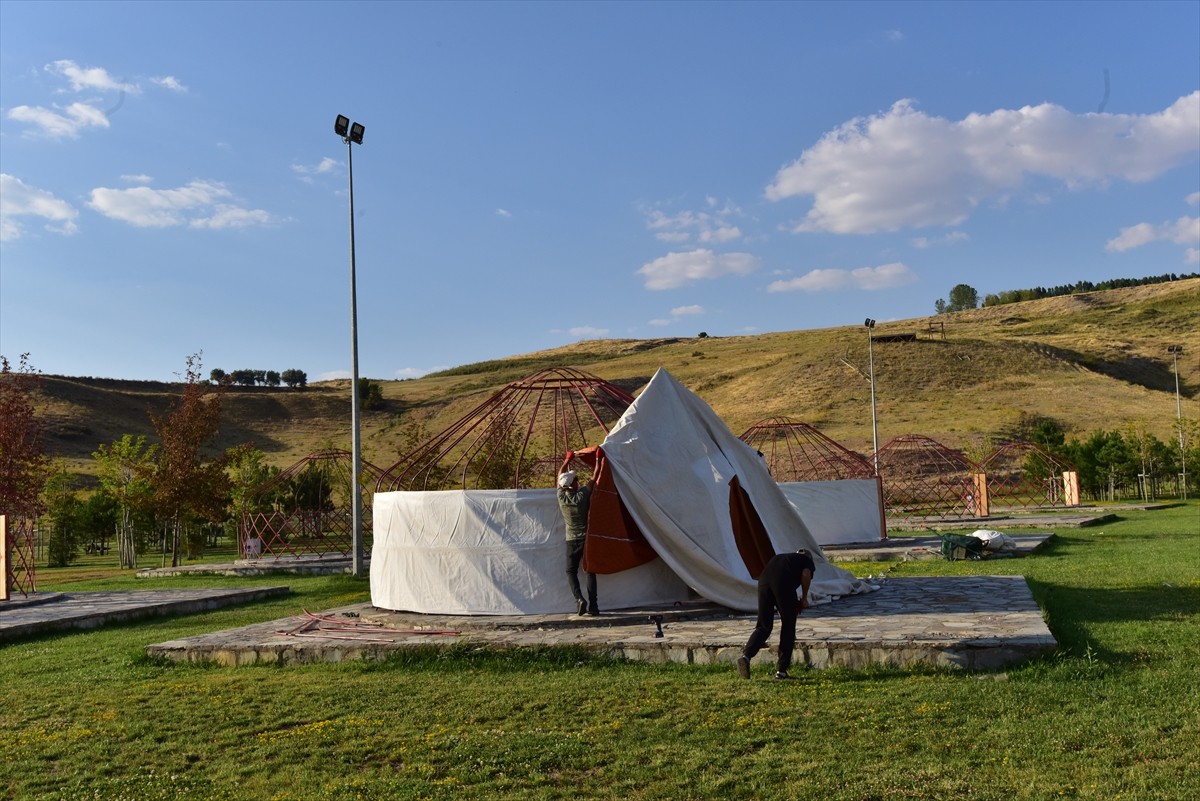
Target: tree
[
  {"x": 63, "y": 508},
  {"x": 24, "y": 466},
  {"x": 370, "y": 394},
  {"x": 186, "y": 487},
  {"x": 217, "y": 375},
  {"x": 125, "y": 470},
  {"x": 272, "y": 379},
  {"x": 962, "y": 297},
  {"x": 294, "y": 378},
  {"x": 245, "y": 378}
]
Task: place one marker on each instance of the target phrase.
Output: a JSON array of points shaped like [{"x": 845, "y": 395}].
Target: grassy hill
[{"x": 1090, "y": 361}]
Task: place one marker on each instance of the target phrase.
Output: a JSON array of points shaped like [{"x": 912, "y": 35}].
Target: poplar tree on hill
[{"x": 186, "y": 487}]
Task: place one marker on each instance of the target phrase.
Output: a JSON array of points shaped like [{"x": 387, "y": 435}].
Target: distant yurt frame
[
  {"x": 796, "y": 451},
  {"x": 280, "y": 518},
  {"x": 516, "y": 439},
  {"x": 924, "y": 479},
  {"x": 1020, "y": 475}
]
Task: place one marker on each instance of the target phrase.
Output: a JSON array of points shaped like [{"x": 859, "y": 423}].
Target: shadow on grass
[{"x": 1071, "y": 611}]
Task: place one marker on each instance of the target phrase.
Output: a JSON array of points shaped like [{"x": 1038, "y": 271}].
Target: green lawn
[{"x": 1114, "y": 714}]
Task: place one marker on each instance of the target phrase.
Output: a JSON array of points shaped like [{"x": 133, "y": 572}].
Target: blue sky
[{"x": 536, "y": 174}]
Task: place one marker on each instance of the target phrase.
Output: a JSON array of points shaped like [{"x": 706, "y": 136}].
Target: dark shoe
[
  {"x": 782, "y": 674},
  {"x": 581, "y": 606},
  {"x": 743, "y": 666},
  {"x": 594, "y": 612}
]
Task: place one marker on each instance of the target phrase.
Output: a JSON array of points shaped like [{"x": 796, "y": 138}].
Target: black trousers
[
  {"x": 574, "y": 558},
  {"x": 772, "y": 598}
]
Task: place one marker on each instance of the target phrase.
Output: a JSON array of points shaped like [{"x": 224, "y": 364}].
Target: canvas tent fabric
[
  {"x": 842, "y": 512},
  {"x": 700, "y": 498},
  {"x": 673, "y": 462}
]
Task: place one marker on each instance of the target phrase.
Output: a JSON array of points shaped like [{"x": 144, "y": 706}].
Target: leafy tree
[
  {"x": 186, "y": 487},
  {"x": 245, "y": 378},
  {"x": 98, "y": 517},
  {"x": 370, "y": 394},
  {"x": 63, "y": 507},
  {"x": 294, "y": 378},
  {"x": 962, "y": 297},
  {"x": 939, "y": 306},
  {"x": 125, "y": 469},
  {"x": 217, "y": 375},
  {"x": 272, "y": 379},
  {"x": 248, "y": 471},
  {"x": 23, "y": 463}
]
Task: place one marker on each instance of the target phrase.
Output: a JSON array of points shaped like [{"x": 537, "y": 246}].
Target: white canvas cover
[
  {"x": 673, "y": 459},
  {"x": 490, "y": 552},
  {"x": 502, "y": 551},
  {"x": 842, "y": 512}
]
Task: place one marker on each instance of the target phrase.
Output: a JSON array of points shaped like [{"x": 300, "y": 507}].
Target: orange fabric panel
[
  {"x": 614, "y": 542},
  {"x": 749, "y": 533}
]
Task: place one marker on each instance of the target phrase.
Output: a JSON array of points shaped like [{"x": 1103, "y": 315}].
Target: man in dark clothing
[
  {"x": 574, "y": 502},
  {"x": 777, "y": 592}
]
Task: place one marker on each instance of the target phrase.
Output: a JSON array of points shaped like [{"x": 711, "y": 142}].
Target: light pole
[
  {"x": 870, "y": 326},
  {"x": 1175, "y": 350},
  {"x": 352, "y": 134}
]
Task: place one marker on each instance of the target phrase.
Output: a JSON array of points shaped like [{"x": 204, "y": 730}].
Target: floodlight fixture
[
  {"x": 352, "y": 134},
  {"x": 869, "y": 323}
]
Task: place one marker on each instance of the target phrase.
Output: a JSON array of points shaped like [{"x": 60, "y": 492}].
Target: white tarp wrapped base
[
  {"x": 672, "y": 461},
  {"x": 490, "y": 552},
  {"x": 840, "y": 512}
]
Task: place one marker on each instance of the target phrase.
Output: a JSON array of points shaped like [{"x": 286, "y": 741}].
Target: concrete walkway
[{"x": 40, "y": 613}]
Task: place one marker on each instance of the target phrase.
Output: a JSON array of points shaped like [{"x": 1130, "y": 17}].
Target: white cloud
[
  {"x": 200, "y": 204},
  {"x": 923, "y": 242},
  {"x": 687, "y": 311},
  {"x": 886, "y": 276},
  {"x": 91, "y": 78},
  {"x": 325, "y": 165},
  {"x": 1193, "y": 199},
  {"x": 660, "y": 322},
  {"x": 503, "y": 213},
  {"x": 60, "y": 123},
  {"x": 137, "y": 179},
  {"x": 587, "y": 332},
  {"x": 170, "y": 82},
  {"x": 19, "y": 200},
  {"x": 678, "y": 269},
  {"x": 1184, "y": 231},
  {"x": 706, "y": 226},
  {"x": 904, "y": 168}
]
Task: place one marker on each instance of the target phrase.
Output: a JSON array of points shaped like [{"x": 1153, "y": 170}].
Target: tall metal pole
[
  {"x": 1175, "y": 350},
  {"x": 355, "y": 439},
  {"x": 874, "y": 425}
]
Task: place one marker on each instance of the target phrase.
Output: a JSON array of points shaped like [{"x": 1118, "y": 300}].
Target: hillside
[{"x": 1090, "y": 361}]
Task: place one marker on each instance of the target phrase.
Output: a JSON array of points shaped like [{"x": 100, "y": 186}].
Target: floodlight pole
[
  {"x": 870, "y": 326},
  {"x": 1175, "y": 350},
  {"x": 353, "y": 135}
]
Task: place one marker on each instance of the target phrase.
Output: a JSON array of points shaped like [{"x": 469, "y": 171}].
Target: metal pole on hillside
[
  {"x": 352, "y": 134},
  {"x": 1175, "y": 350},
  {"x": 870, "y": 325}
]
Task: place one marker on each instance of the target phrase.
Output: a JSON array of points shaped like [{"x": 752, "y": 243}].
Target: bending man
[{"x": 777, "y": 592}]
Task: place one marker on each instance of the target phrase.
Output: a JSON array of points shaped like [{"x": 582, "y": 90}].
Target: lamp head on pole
[
  {"x": 1175, "y": 349},
  {"x": 869, "y": 323},
  {"x": 356, "y": 133},
  {"x": 341, "y": 125}
]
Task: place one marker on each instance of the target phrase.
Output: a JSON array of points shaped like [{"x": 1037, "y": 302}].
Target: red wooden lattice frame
[
  {"x": 796, "y": 451},
  {"x": 516, "y": 438},
  {"x": 274, "y": 526},
  {"x": 1020, "y": 475},
  {"x": 22, "y": 559},
  {"x": 923, "y": 478}
]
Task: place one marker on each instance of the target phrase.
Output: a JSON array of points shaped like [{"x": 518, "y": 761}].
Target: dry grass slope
[{"x": 1090, "y": 361}]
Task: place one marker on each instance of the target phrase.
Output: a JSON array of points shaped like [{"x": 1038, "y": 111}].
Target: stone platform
[{"x": 969, "y": 622}]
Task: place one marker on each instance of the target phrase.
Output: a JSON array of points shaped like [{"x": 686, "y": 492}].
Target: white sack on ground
[
  {"x": 489, "y": 552},
  {"x": 673, "y": 459},
  {"x": 839, "y": 512}
]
